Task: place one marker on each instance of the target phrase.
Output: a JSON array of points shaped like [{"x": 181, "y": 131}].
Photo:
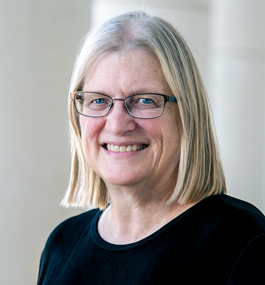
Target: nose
[{"x": 118, "y": 121}]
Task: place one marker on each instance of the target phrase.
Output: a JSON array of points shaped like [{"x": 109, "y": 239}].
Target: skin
[{"x": 140, "y": 182}]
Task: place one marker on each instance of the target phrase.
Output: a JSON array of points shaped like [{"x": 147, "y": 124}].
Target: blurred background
[{"x": 38, "y": 44}]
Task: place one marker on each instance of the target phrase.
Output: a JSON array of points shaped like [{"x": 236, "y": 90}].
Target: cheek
[
  {"x": 90, "y": 126},
  {"x": 152, "y": 128},
  {"x": 90, "y": 129}
]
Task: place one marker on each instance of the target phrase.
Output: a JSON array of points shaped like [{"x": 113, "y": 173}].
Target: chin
[
  {"x": 120, "y": 181},
  {"x": 120, "y": 176}
]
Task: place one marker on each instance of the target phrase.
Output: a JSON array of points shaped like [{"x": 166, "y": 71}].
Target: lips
[{"x": 123, "y": 148}]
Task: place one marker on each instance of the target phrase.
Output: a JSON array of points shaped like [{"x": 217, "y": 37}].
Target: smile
[{"x": 128, "y": 148}]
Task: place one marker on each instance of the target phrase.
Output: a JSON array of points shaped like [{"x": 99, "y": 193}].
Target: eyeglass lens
[{"x": 139, "y": 106}]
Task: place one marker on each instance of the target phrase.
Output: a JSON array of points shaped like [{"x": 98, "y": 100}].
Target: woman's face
[{"x": 120, "y": 75}]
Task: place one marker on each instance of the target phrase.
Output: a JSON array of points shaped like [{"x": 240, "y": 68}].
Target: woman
[{"x": 144, "y": 153}]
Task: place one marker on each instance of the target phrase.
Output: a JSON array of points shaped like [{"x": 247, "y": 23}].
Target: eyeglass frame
[{"x": 167, "y": 98}]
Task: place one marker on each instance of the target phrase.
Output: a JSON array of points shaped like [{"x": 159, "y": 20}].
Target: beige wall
[
  {"x": 38, "y": 43},
  {"x": 237, "y": 62}
]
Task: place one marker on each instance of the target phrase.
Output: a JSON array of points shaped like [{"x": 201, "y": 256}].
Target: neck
[{"x": 128, "y": 220}]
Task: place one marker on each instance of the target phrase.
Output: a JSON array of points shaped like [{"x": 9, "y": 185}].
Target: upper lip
[{"x": 124, "y": 143}]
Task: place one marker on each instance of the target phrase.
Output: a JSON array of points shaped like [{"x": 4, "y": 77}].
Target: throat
[{"x": 135, "y": 225}]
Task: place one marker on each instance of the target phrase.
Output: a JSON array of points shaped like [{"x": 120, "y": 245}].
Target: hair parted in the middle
[{"x": 200, "y": 172}]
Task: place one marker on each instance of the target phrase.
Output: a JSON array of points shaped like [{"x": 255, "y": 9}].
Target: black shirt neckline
[{"x": 118, "y": 247}]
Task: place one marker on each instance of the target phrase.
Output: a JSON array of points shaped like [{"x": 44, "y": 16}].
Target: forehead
[{"x": 130, "y": 71}]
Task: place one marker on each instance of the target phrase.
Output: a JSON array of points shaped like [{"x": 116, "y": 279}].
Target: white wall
[
  {"x": 38, "y": 44},
  {"x": 237, "y": 61}
]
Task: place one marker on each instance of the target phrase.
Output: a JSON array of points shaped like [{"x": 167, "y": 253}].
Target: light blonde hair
[{"x": 200, "y": 172}]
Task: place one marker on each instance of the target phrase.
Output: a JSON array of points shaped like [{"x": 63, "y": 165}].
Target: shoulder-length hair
[{"x": 200, "y": 173}]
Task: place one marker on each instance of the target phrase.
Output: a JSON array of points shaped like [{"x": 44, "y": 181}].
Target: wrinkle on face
[{"x": 153, "y": 169}]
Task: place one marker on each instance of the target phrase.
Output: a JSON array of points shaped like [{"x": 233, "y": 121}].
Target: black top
[{"x": 220, "y": 240}]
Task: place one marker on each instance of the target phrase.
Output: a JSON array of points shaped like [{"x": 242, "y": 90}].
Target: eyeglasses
[{"x": 141, "y": 106}]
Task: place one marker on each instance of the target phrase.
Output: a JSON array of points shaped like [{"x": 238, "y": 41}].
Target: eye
[
  {"x": 146, "y": 101},
  {"x": 99, "y": 101}
]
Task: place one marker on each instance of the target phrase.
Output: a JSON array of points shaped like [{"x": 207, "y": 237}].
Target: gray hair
[{"x": 200, "y": 171}]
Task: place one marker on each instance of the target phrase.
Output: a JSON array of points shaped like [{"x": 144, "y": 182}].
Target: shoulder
[
  {"x": 227, "y": 220},
  {"x": 250, "y": 265},
  {"x": 70, "y": 230},
  {"x": 241, "y": 212},
  {"x": 234, "y": 238},
  {"x": 61, "y": 243}
]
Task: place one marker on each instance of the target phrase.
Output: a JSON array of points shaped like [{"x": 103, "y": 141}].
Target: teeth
[
  {"x": 123, "y": 148},
  {"x": 134, "y": 148}
]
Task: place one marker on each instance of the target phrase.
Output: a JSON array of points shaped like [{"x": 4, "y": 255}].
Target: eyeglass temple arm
[
  {"x": 72, "y": 95},
  {"x": 170, "y": 99}
]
